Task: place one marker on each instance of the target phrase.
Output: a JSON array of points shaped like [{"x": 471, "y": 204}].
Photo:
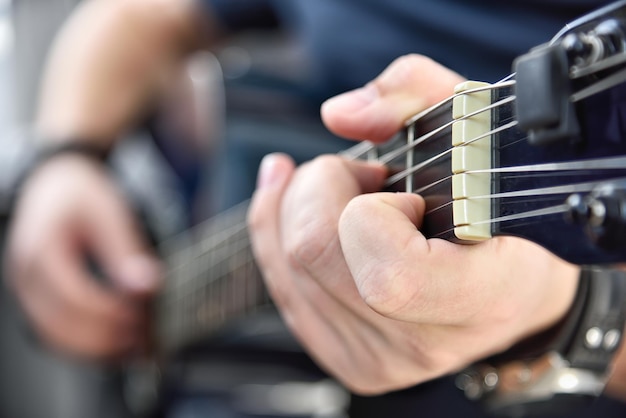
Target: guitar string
[
  {"x": 608, "y": 163},
  {"x": 359, "y": 149},
  {"x": 488, "y": 87},
  {"x": 221, "y": 311},
  {"x": 422, "y": 189},
  {"x": 415, "y": 169},
  {"x": 544, "y": 191},
  {"x": 195, "y": 315},
  {"x": 596, "y": 67},
  {"x": 230, "y": 249},
  {"x": 387, "y": 158},
  {"x": 362, "y": 148},
  {"x": 552, "y": 210},
  {"x": 419, "y": 167},
  {"x": 191, "y": 253}
]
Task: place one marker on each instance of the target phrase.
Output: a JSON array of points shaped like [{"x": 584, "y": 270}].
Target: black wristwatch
[{"x": 564, "y": 368}]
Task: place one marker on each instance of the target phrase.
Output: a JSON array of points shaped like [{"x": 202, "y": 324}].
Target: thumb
[{"x": 409, "y": 85}]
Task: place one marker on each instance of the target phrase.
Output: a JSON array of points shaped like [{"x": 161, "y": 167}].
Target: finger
[
  {"x": 62, "y": 270},
  {"x": 398, "y": 272},
  {"x": 111, "y": 230},
  {"x": 263, "y": 220},
  {"x": 276, "y": 175},
  {"x": 81, "y": 315},
  {"x": 409, "y": 85},
  {"x": 404, "y": 276},
  {"x": 46, "y": 262},
  {"x": 304, "y": 305},
  {"x": 64, "y": 330},
  {"x": 314, "y": 208},
  {"x": 376, "y": 232}
]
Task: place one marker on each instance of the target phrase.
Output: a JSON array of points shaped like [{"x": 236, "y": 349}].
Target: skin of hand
[
  {"x": 57, "y": 223},
  {"x": 375, "y": 303},
  {"x": 107, "y": 67}
]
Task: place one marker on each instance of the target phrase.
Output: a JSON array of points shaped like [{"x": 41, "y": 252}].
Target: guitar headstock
[{"x": 587, "y": 58}]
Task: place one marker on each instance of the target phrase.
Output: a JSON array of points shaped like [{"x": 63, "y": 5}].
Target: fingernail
[
  {"x": 269, "y": 172},
  {"x": 355, "y": 99}
]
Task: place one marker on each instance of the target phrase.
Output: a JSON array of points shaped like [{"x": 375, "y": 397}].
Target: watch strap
[{"x": 568, "y": 365}]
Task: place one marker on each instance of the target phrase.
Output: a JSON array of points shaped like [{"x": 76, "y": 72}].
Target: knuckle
[
  {"x": 380, "y": 286},
  {"x": 309, "y": 246},
  {"x": 327, "y": 165},
  {"x": 358, "y": 208}
]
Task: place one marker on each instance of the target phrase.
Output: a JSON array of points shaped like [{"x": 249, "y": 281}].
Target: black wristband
[
  {"x": 569, "y": 364},
  {"x": 46, "y": 153},
  {"x": 83, "y": 148}
]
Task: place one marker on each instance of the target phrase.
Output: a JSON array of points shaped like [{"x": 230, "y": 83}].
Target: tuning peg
[{"x": 602, "y": 213}]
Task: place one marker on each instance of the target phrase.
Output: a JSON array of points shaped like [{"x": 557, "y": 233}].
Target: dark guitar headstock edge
[{"x": 557, "y": 85}]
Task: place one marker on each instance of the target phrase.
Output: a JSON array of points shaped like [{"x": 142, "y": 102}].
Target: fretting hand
[{"x": 375, "y": 303}]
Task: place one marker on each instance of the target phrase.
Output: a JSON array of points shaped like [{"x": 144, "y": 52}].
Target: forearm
[{"x": 111, "y": 60}]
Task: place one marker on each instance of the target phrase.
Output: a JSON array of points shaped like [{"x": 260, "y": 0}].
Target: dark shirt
[{"x": 350, "y": 41}]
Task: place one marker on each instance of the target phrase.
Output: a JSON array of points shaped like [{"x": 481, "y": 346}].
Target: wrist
[
  {"x": 47, "y": 153},
  {"x": 564, "y": 367}
]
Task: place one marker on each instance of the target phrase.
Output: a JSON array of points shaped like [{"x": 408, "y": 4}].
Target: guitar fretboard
[
  {"x": 212, "y": 275},
  {"x": 478, "y": 176},
  {"x": 212, "y": 279}
]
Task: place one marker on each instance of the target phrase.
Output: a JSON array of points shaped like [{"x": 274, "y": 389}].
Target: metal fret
[{"x": 410, "y": 139}]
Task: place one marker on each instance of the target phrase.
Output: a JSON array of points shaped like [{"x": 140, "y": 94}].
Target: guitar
[
  {"x": 547, "y": 164},
  {"x": 477, "y": 169}
]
